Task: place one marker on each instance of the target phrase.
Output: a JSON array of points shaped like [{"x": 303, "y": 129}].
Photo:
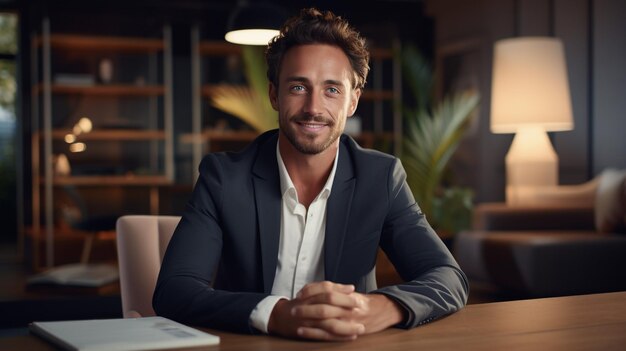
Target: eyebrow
[{"x": 306, "y": 80}]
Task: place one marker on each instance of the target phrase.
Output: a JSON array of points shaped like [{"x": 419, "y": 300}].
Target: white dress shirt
[{"x": 300, "y": 254}]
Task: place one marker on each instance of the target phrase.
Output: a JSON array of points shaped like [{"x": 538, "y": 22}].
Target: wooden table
[{"x": 587, "y": 322}]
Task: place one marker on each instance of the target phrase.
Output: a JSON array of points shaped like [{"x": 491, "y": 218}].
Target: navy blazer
[{"x": 221, "y": 260}]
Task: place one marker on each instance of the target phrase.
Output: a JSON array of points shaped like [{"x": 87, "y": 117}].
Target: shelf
[
  {"x": 111, "y": 134},
  {"x": 219, "y": 135},
  {"x": 381, "y": 54},
  {"x": 218, "y": 48},
  {"x": 207, "y": 90},
  {"x": 105, "y": 90},
  {"x": 377, "y": 95},
  {"x": 103, "y": 43},
  {"x": 135, "y": 180}
]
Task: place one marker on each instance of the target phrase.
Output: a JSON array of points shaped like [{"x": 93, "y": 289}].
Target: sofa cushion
[
  {"x": 500, "y": 217},
  {"x": 610, "y": 206},
  {"x": 543, "y": 263}
]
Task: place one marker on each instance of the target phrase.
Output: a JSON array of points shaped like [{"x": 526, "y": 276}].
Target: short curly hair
[{"x": 312, "y": 26}]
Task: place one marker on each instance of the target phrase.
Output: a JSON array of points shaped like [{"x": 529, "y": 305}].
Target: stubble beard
[{"x": 305, "y": 143}]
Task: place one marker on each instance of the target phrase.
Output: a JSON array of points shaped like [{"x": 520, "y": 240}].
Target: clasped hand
[{"x": 331, "y": 311}]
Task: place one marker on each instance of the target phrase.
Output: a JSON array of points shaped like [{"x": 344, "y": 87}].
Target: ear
[
  {"x": 273, "y": 93},
  {"x": 354, "y": 101}
]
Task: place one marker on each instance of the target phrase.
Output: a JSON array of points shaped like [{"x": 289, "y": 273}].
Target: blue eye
[
  {"x": 297, "y": 88},
  {"x": 333, "y": 90}
]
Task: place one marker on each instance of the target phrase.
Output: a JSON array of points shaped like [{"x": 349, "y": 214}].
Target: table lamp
[{"x": 530, "y": 96}]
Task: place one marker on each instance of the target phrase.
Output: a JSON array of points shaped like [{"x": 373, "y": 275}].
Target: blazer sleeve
[
  {"x": 435, "y": 285},
  {"x": 184, "y": 291}
]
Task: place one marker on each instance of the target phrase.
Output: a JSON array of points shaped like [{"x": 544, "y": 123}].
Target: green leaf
[{"x": 251, "y": 104}]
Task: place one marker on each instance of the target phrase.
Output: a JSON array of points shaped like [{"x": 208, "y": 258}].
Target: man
[{"x": 282, "y": 237}]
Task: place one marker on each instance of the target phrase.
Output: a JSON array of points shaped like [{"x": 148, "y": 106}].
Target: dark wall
[{"x": 608, "y": 84}]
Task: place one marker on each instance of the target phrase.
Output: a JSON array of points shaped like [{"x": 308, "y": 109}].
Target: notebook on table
[{"x": 148, "y": 333}]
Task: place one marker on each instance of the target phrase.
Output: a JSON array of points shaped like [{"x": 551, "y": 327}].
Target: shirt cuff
[{"x": 260, "y": 316}]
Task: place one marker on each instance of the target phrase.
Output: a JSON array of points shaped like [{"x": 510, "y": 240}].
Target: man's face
[{"x": 314, "y": 96}]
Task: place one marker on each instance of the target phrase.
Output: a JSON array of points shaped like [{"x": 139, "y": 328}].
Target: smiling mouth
[{"x": 312, "y": 126}]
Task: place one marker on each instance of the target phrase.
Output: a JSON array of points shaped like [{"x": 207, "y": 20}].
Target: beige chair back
[{"x": 141, "y": 244}]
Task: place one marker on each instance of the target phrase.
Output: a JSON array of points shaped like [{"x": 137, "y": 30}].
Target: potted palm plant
[{"x": 432, "y": 133}]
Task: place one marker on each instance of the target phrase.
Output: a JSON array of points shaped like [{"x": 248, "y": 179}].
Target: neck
[{"x": 308, "y": 173}]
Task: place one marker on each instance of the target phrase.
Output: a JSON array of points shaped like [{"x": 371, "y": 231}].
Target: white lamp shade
[
  {"x": 254, "y": 23},
  {"x": 251, "y": 36},
  {"x": 530, "y": 86}
]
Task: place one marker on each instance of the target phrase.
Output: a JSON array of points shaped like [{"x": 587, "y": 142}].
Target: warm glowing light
[
  {"x": 85, "y": 124},
  {"x": 62, "y": 166},
  {"x": 78, "y": 147},
  {"x": 77, "y": 130},
  {"x": 251, "y": 36},
  {"x": 70, "y": 138},
  {"x": 530, "y": 95},
  {"x": 530, "y": 86}
]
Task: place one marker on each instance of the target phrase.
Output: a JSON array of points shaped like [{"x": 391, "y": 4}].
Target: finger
[
  {"x": 340, "y": 327},
  {"x": 321, "y": 311},
  {"x": 333, "y": 299},
  {"x": 325, "y": 286}
]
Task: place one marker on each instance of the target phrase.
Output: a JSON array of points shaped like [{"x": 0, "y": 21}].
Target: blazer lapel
[
  {"x": 268, "y": 203},
  {"x": 338, "y": 211}
]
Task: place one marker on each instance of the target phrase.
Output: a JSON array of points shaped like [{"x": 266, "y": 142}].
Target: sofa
[{"x": 571, "y": 241}]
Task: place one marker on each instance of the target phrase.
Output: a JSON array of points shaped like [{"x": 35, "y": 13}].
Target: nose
[{"x": 313, "y": 104}]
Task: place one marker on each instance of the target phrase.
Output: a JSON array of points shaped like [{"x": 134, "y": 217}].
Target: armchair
[{"x": 561, "y": 247}]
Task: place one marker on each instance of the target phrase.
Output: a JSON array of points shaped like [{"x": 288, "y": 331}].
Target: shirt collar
[{"x": 286, "y": 185}]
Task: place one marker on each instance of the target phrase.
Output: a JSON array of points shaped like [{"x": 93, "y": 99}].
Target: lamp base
[{"x": 531, "y": 166}]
